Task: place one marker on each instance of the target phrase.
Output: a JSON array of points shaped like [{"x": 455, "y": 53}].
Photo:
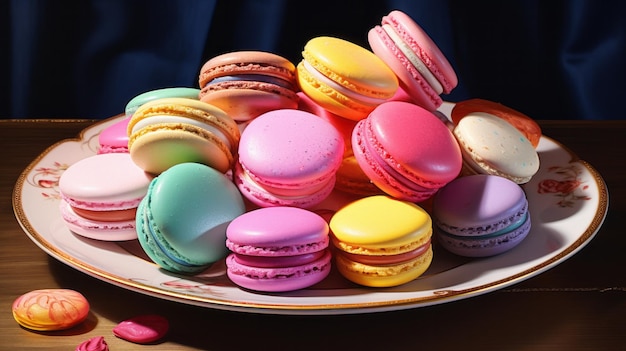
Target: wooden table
[{"x": 579, "y": 304}]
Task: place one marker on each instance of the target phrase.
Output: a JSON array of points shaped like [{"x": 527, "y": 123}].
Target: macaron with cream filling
[
  {"x": 344, "y": 78},
  {"x": 100, "y": 195},
  {"x": 277, "y": 249},
  {"x": 381, "y": 241},
  {"x": 481, "y": 215}
]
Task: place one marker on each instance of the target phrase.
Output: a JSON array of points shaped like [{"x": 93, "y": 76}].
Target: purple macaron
[{"x": 480, "y": 215}]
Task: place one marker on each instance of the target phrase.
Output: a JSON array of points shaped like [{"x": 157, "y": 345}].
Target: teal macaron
[
  {"x": 178, "y": 92},
  {"x": 181, "y": 222}
]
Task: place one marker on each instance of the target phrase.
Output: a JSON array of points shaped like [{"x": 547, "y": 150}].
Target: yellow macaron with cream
[
  {"x": 169, "y": 131},
  {"x": 381, "y": 241}
]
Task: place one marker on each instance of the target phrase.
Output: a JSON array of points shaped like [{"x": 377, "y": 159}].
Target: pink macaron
[
  {"x": 288, "y": 158},
  {"x": 100, "y": 195},
  {"x": 422, "y": 69},
  {"x": 406, "y": 151},
  {"x": 114, "y": 139},
  {"x": 278, "y": 249}
]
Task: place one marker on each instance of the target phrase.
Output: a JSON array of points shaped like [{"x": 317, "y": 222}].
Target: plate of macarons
[
  {"x": 567, "y": 201},
  {"x": 340, "y": 185}
]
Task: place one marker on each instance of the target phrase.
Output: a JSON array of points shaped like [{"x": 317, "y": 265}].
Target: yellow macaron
[
  {"x": 169, "y": 131},
  {"x": 382, "y": 241},
  {"x": 344, "y": 78}
]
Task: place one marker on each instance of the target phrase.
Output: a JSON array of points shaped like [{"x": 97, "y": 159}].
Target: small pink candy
[
  {"x": 142, "y": 329},
  {"x": 96, "y": 343}
]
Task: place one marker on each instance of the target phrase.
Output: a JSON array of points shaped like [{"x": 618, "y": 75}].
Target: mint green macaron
[
  {"x": 178, "y": 92},
  {"x": 181, "y": 222}
]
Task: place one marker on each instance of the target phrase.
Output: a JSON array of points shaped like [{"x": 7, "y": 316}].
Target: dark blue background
[{"x": 555, "y": 59}]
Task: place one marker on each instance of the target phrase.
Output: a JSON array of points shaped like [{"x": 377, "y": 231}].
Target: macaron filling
[
  {"x": 278, "y": 261},
  {"x": 514, "y": 225},
  {"x": 377, "y": 260},
  {"x": 107, "y": 216},
  {"x": 351, "y": 94},
  {"x": 318, "y": 266},
  {"x": 278, "y": 251},
  {"x": 413, "y": 58},
  {"x": 252, "y": 78}
]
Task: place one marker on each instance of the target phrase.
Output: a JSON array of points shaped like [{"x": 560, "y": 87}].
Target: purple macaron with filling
[
  {"x": 481, "y": 215},
  {"x": 277, "y": 249}
]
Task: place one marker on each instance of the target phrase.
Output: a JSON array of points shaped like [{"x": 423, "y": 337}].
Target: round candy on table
[
  {"x": 525, "y": 124},
  {"x": 50, "y": 309},
  {"x": 114, "y": 139},
  {"x": 381, "y": 241},
  {"x": 175, "y": 92},
  {"x": 288, "y": 158},
  {"x": 491, "y": 145},
  {"x": 406, "y": 151},
  {"x": 481, "y": 215},
  {"x": 181, "y": 222},
  {"x": 169, "y": 131},
  {"x": 142, "y": 329},
  {"x": 100, "y": 195},
  {"x": 97, "y": 343},
  {"x": 423, "y": 70},
  {"x": 278, "y": 249},
  {"x": 246, "y": 84},
  {"x": 344, "y": 78}
]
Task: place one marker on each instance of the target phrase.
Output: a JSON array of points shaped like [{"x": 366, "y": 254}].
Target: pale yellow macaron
[
  {"x": 382, "y": 241},
  {"x": 169, "y": 131}
]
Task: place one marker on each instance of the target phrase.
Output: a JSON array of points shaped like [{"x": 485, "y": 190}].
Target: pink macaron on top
[
  {"x": 413, "y": 142},
  {"x": 101, "y": 181},
  {"x": 290, "y": 148},
  {"x": 277, "y": 231}
]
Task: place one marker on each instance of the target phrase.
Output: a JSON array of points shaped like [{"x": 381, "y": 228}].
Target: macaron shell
[
  {"x": 174, "y": 92},
  {"x": 279, "y": 279},
  {"x": 247, "y": 62},
  {"x": 525, "y": 124},
  {"x": 104, "y": 182},
  {"x": 277, "y": 231},
  {"x": 250, "y": 100},
  {"x": 185, "y": 213},
  {"x": 383, "y": 276},
  {"x": 493, "y": 146},
  {"x": 363, "y": 226}
]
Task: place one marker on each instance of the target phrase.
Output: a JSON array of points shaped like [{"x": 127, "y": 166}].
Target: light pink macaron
[
  {"x": 288, "y": 158},
  {"x": 422, "y": 69},
  {"x": 278, "y": 249},
  {"x": 406, "y": 151},
  {"x": 100, "y": 195}
]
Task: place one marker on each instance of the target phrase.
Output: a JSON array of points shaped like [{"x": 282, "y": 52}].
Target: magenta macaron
[
  {"x": 100, "y": 195},
  {"x": 277, "y": 249},
  {"x": 406, "y": 151},
  {"x": 288, "y": 158},
  {"x": 422, "y": 69},
  {"x": 481, "y": 215}
]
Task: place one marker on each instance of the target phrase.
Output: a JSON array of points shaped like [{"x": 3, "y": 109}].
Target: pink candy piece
[
  {"x": 142, "y": 329},
  {"x": 96, "y": 343}
]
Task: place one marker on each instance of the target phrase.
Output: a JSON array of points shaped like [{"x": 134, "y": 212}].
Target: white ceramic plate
[{"x": 568, "y": 203}]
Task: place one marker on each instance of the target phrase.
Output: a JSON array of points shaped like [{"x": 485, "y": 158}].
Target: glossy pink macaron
[
  {"x": 288, "y": 158},
  {"x": 422, "y": 69},
  {"x": 114, "y": 139},
  {"x": 406, "y": 151},
  {"x": 278, "y": 249},
  {"x": 100, "y": 195}
]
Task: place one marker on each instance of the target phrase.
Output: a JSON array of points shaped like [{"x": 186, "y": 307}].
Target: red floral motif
[
  {"x": 47, "y": 178},
  {"x": 568, "y": 189}
]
